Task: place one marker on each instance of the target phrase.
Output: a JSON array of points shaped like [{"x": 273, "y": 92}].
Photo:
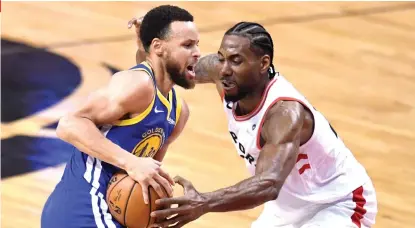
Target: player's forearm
[
  {"x": 247, "y": 194},
  {"x": 271, "y": 173},
  {"x": 140, "y": 55},
  {"x": 206, "y": 69},
  {"x": 84, "y": 135}
]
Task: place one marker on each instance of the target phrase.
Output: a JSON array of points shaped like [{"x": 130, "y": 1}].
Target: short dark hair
[
  {"x": 260, "y": 40},
  {"x": 156, "y": 23}
]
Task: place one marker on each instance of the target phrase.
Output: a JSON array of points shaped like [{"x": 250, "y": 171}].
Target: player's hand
[
  {"x": 191, "y": 206},
  {"x": 137, "y": 24},
  {"x": 147, "y": 172},
  {"x": 136, "y": 21}
]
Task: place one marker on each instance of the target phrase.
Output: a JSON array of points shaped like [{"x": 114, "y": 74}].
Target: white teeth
[
  {"x": 192, "y": 74},
  {"x": 228, "y": 85}
]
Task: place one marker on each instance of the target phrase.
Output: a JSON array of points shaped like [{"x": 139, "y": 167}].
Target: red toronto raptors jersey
[{"x": 325, "y": 170}]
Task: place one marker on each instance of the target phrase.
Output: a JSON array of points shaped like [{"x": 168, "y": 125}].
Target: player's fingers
[
  {"x": 144, "y": 189},
  {"x": 157, "y": 188},
  {"x": 166, "y": 185},
  {"x": 183, "y": 182},
  {"x": 167, "y": 176},
  {"x": 168, "y": 222},
  {"x": 139, "y": 20},
  {"x": 135, "y": 21},
  {"x": 131, "y": 22},
  {"x": 169, "y": 212},
  {"x": 167, "y": 202},
  {"x": 180, "y": 224}
]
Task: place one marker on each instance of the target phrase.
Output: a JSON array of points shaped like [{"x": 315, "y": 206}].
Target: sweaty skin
[
  {"x": 287, "y": 125},
  {"x": 128, "y": 94}
]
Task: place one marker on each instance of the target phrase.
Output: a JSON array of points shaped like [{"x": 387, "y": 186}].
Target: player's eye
[{"x": 237, "y": 60}]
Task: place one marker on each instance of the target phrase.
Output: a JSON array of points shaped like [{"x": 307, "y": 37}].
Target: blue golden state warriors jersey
[{"x": 142, "y": 135}]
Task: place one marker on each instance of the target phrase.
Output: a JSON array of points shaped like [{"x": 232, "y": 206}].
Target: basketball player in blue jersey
[{"x": 127, "y": 125}]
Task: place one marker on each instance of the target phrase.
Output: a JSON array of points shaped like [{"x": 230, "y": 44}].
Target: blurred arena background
[{"x": 355, "y": 61}]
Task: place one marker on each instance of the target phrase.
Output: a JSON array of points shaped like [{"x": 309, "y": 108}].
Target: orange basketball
[{"x": 126, "y": 204}]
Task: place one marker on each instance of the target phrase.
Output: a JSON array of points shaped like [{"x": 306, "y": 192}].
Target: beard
[
  {"x": 241, "y": 93},
  {"x": 178, "y": 78}
]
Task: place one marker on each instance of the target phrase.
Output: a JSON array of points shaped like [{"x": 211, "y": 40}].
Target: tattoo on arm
[
  {"x": 206, "y": 69},
  {"x": 281, "y": 132}
]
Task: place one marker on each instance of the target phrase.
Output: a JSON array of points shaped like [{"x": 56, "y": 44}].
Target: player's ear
[
  {"x": 157, "y": 46},
  {"x": 265, "y": 63}
]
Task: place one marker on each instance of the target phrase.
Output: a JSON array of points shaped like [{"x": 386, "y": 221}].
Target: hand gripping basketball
[
  {"x": 190, "y": 207},
  {"x": 134, "y": 192},
  {"x": 147, "y": 172}
]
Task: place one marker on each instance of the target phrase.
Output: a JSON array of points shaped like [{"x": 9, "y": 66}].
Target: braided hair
[{"x": 261, "y": 41}]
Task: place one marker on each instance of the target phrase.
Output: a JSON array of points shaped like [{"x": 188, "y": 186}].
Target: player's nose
[
  {"x": 196, "y": 53},
  {"x": 226, "y": 70}
]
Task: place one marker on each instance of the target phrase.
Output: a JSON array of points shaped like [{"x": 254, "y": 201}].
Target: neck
[
  {"x": 163, "y": 81},
  {"x": 251, "y": 101}
]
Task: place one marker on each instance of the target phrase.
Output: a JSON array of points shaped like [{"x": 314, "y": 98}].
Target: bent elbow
[
  {"x": 273, "y": 192},
  {"x": 273, "y": 187}
]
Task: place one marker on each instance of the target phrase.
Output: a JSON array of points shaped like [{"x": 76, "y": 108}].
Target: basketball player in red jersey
[{"x": 301, "y": 170}]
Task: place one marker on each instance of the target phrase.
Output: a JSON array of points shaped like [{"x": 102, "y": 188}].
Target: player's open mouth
[
  {"x": 228, "y": 85},
  {"x": 190, "y": 70}
]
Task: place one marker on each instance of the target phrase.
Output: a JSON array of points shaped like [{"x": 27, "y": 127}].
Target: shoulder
[
  {"x": 286, "y": 108},
  {"x": 132, "y": 88},
  {"x": 283, "y": 120}
]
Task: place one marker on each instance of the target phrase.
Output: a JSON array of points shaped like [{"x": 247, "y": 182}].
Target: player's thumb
[{"x": 183, "y": 182}]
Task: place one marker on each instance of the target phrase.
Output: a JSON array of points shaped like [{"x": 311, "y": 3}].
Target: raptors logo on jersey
[{"x": 325, "y": 170}]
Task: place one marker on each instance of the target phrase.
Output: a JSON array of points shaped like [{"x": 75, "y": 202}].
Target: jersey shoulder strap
[
  {"x": 177, "y": 103},
  {"x": 144, "y": 66}
]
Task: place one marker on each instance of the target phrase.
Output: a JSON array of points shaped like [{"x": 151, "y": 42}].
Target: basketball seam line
[
  {"x": 128, "y": 200},
  {"x": 149, "y": 205}
]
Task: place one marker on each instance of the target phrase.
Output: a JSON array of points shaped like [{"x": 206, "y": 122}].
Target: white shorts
[{"x": 357, "y": 210}]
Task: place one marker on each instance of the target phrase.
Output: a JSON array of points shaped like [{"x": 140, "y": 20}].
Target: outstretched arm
[
  {"x": 281, "y": 133},
  {"x": 207, "y": 71}
]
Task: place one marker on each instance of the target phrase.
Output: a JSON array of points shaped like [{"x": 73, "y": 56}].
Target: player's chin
[
  {"x": 231, "y": 91},
  {"x": 232, "y": 95},
  {"x": 185, "y": 83},
  {"x": 190, "y": 80},
  {"x": 190, "y": 84}
]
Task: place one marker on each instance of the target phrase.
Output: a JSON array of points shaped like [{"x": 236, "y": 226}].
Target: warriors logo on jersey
[{"x": 152, "y": 141}]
